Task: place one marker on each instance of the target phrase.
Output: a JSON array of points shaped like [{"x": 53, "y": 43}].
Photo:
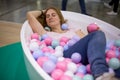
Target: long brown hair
[{"x": 42, "y": 17}]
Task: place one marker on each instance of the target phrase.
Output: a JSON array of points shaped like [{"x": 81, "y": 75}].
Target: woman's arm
[{"x": 34, "y": 23}]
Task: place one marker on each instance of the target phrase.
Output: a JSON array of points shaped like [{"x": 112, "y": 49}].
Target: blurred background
[{"x": 15, "y": 10}]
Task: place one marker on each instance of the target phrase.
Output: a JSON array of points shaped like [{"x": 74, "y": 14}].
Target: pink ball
[
  {"x": 110, "y": 54},
  {"x": 88, "y": 68},
  {"x": 45, "y": 49},
  {"x": 48, "y": 41},
  {"x": 61, "y": 65},
  {"x": 41, "y": 60},
  {"x": 56, "y": 74},
  {"x": 64, "y": 39},
  {"x": 35, "y": 36},
  {"x": 62, "y": 43},
  {"x": 65, "y": 77},
  {"x": 81, "y": 75},
  {"x": 92, "y": 27},
  {"x": 67, "y": 60},
  {"x": 107, "y": 59}
]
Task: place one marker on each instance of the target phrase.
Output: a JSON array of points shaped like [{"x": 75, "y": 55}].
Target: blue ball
[
  {"x": 37, "y": 53},
  {"x": 44, "y": 36},
  {"x": 82, "y": 69},
  {"x": 64, "y": 26}
]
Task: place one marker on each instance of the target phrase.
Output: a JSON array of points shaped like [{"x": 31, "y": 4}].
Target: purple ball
[
  {"x": 64, "y": 26},
  {"x": 76, "y": 57},
  {"x": 36, "y": 54},
  {"x": 48, "y": 66}
]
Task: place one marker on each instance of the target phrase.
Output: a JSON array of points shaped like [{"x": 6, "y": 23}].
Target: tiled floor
[{"x": 15, "y": 10}]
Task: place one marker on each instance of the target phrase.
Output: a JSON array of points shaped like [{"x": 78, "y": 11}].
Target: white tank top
[{"x": 69, "y": 34}]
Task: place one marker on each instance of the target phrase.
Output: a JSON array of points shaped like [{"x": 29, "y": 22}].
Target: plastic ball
[
  {"x": 47, "y": 28},
  {"x": 88, "y": 68},
  {"x": 76, "y": 57},
  {"x": 62, "y": 44},
  {"x": 114, "y": 63},
  {"x": 76, "y": 38},
  {"x": 57, "y": 74},
  {"x": 92, "y": 27},
  {"x": 59, "y": 48},
  {"x": 109, "y": 44},
  {"x": 61, "y": 59},
  {"x": 111, "y": 70},
  {"x": 77, "y": 77},
  {"x": 44, "y": 36},
  {"x": 33, "y": 46},
  {"x": 58, "y": 53},
  {"x": 88, "y": 77},
  {"x": 53, "y": 58},
  {"x": 110, "y": 54},
  {"x": 61, "y": 65},
  {"x": 65, "y": 47},
  {"x": 82, "y": 69},
  {"x": 36, "y": 54},
  {"x": 71, "y": 42},
  {"x": 64, "y": 26},
  {"x": 48, "y": 41},
  {"x": 45, "y": 49},
  {"x": 69, "y": 73},
  {"x": 41, "y": 60},
  {"x": 64, "y": 39},
  {"x": 117, "y": 43},
  {"x": 65, "y": 77},
  {"x": 81, "y": 75},
  {"x": 35, "y": 36},
  {"x": 72, "y": 67},
  {"x": 67, "y": 60},
  {"x": 48, "y": 66},
  {"x": 55, "y": 43}
]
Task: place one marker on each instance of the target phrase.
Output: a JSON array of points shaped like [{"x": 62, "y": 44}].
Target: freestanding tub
[{"x": 74, "y": 19}]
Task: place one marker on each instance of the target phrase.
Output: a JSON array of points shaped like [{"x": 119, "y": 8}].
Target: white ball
[
  {"x": 61, "y": 58},
  {"x": 72, "y": 67},
  {"x": 33, "y": 46},
  {"x": 69, "y": 73},
  {"x": 58, "y": 54},
  {"x": 59, "y": 48}
]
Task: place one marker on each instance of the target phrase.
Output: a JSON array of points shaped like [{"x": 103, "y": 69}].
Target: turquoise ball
[
  {"x": 88, "y": 77},
  {"x": 114, "y": 63},
  {"x": 117, "y": 43}
]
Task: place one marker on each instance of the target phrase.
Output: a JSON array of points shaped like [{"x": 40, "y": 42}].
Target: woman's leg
[
  {"x": 111, "y": 2},
  {"x": 92, "y": 50},
  {"x": 82, "y": 6},
  {"x": 116, "y": 4},
  {"x": 64, "y": 4}
]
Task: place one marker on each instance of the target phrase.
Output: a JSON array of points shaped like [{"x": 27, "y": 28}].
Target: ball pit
[{"x": 37, "y": 66}]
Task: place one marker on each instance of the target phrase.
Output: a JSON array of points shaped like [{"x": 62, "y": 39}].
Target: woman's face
[{"x": 52, "y": 18}]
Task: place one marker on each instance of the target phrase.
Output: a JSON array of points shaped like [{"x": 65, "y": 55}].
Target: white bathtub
[{"x": 74, "y": 19}]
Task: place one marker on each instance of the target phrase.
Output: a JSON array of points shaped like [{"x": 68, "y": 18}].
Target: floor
[{"x": 15, "y": 10}]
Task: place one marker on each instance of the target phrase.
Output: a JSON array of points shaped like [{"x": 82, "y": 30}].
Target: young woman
[{"x": 91, "y": 46}]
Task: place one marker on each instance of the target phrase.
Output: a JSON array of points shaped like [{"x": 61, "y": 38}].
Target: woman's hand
[{"x": 80, "y": 33}]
